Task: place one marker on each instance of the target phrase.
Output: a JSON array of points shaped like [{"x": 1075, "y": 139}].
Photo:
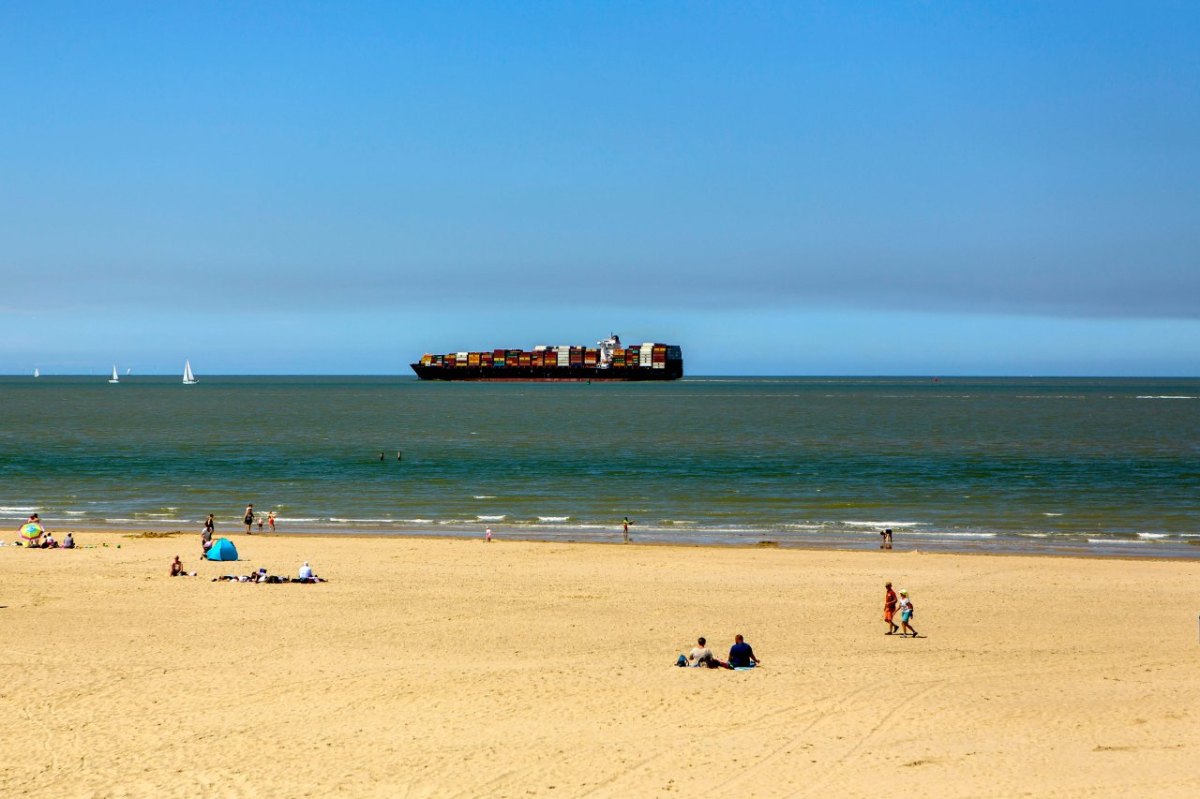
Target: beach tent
[{"x": 222, "y": 549}]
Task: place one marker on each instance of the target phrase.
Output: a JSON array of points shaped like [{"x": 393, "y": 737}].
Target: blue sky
[{"x": 791, "y": 188}]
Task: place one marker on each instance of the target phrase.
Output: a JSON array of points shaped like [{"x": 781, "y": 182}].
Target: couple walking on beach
[{"x": 905, "y": 607}]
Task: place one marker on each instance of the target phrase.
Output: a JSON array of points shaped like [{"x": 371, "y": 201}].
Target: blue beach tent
[{"x": 222, "y": 549}]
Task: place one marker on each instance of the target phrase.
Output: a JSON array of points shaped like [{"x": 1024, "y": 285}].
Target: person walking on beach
[
  {"x": 625, "y": 530},
  {"x": 271, "y": 521},
  {"x": 906, "y": 614},
  {"x": 889, "y": 608},
  {"x": 248, "y": 519},
  {"x": 885, "y": 539}
]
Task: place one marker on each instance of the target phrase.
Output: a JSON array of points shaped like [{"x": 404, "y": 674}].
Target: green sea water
[{"x": 1043, "y": 465}]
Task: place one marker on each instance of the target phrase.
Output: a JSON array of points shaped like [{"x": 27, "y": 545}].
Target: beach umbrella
[{"x": 31, "y": 531}]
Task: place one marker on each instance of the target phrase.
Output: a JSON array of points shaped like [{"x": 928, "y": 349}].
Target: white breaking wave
[
  {"x": 499, "y": 518},
  {"x": 1052, "y": 514},
  {"x": 882, "y": 524},
  {"x": 1114, "y": 541},
  {"x": 417, "y": 521},
  {"x": 485, "y": 496},
  {"x": 362, "y": 521},
  {"x": 551, "y": 518},
  {"x": 1165, "y": 396},
  {"x": 17, "y": 509},
  {"x": 1034, "y": 535},
  {"x": 1152, "y": 535}
]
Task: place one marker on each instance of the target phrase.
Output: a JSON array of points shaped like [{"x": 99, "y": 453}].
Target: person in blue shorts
[{"x": 741, "y": 654}]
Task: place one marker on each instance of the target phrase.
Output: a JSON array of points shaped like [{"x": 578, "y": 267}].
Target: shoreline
[{"x": 949, "y": 546}]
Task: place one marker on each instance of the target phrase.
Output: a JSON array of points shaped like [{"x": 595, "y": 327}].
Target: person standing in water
[
  {"x": 248, "y": 519},
  {"x": 625, "y": 530},
  {"x": 271, "y": 521}
]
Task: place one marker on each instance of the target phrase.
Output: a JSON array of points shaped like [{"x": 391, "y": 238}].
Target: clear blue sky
[{"x": 781, "y": 188}]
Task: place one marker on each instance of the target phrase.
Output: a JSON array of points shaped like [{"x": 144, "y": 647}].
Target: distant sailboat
[
  {"x": 188, "y": 377},
  {"x": 114, "y": 378},
  {"x": 36, "y": 373}
]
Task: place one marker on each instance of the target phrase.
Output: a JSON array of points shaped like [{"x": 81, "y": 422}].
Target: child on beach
[
  {"x": 906, "y": 614},
  {"x": 270, "y": 521}
]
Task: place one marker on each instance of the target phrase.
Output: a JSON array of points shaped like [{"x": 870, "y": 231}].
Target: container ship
[{"x": 607, "y": 361}]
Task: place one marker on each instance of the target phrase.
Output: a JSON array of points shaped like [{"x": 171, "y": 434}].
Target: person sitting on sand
[
  {"x": 68, "y": 542},
  {"x": 49, "y": 543},
  {"x": 177, "y": 568},
  {"x": 206, "y": 538},
  {"x": 306, "y": 572},
  {"x": 741, "y": 654},
  {"x": 906, "y": 614},
  {"x": 701, "y": 655}
]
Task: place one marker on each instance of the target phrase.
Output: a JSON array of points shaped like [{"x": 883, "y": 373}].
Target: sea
[{"x": 1044, "y": 466}]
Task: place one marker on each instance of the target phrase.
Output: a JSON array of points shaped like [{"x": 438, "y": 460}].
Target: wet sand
[{"x": 453, "y": 667}]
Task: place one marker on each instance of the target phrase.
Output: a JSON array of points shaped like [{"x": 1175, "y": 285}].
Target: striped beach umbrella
[{"x": 31, "y": 532}]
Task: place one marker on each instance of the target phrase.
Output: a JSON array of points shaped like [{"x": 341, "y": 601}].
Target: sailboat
[
  {"x": 188, "y": 377},
  {"x": 37, "y": 372},
  {"x": 114, "y": 378}
]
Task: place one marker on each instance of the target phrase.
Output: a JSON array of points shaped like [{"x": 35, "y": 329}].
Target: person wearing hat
[{"x": 906, "y": 614}]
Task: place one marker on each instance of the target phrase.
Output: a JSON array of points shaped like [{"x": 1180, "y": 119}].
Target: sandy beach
[{"x": 457, "y": 668}]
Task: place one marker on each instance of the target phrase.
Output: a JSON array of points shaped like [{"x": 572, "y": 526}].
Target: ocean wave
[
  {"x": 485, "y": 496},
  {"x": 893, "y": 525},
  {"x": 1051, "y": 514},
  {"x": 361, "y": 521},
  {"x": 25, "y": 509},
  {"x": 416, "y": 521},
  {"x": 497, "y": 518},
  {"x": 549, "y": 518},
  {"x": 298, "y": 519},
  {"x": 1165, "y": 396},
  {"x": 934, "y": 534},
  {"x": 1034, "y": 535},
  {"x": 1152, "y": 535},
  {"x": 1116, "y": 541}
]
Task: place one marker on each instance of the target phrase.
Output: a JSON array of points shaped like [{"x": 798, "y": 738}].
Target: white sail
[
  {"x": 36, "y": 372},
  {"x": 114, "y": 378},
  {"x": 188, "y": 377}
]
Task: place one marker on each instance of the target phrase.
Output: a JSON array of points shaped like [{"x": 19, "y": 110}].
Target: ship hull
[{"x": 548, "y": 374}]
